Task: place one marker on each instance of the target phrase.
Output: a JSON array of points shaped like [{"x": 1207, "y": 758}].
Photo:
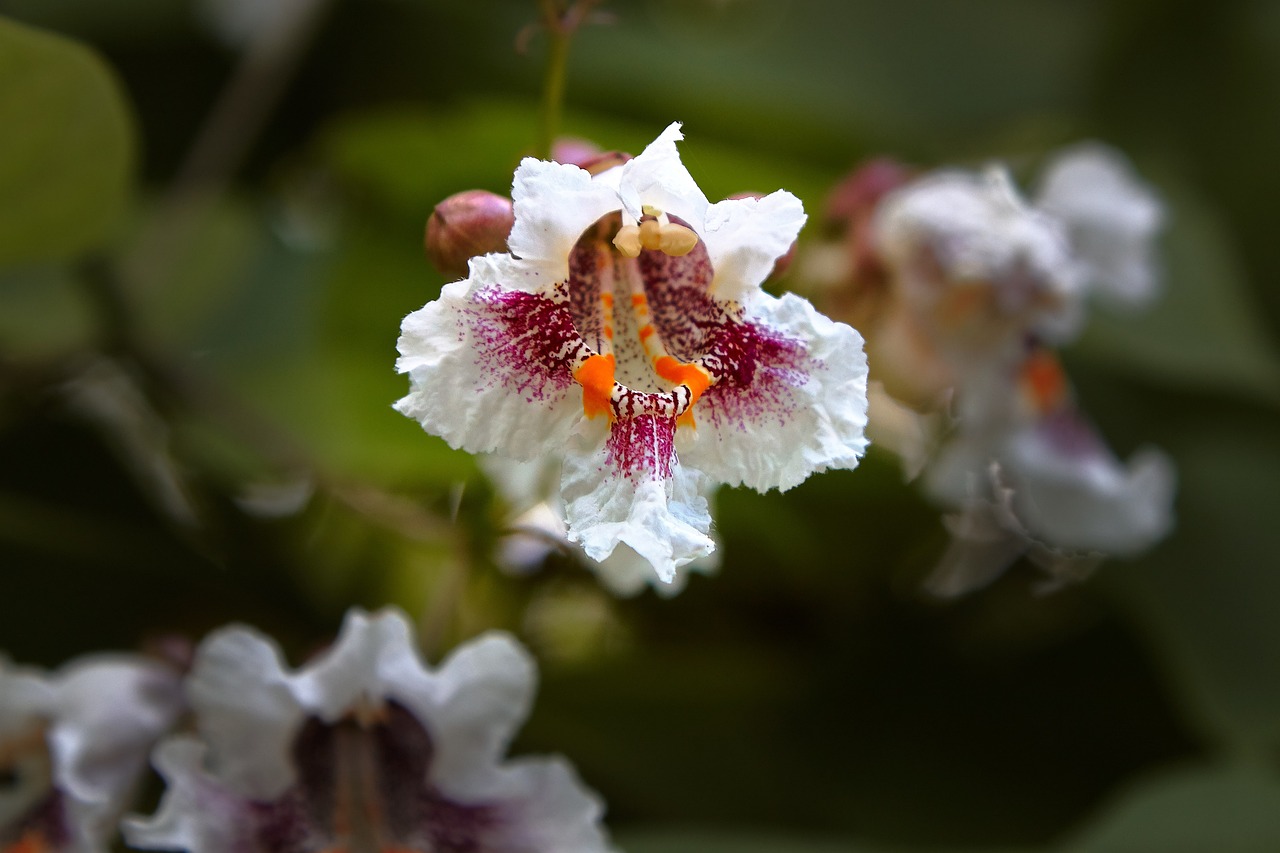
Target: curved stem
[{"x": 554, "y": 78}]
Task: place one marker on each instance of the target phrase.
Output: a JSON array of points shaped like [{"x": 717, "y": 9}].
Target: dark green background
[{"x": 809, "y": 697}]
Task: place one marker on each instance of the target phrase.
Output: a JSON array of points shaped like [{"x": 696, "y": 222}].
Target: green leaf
[
  {"x": 711, "y": 841},
  {"x": 66, "y": 152},
  {"x": 1211, "y": 596},
  {"x": 1191, "y": 811}
]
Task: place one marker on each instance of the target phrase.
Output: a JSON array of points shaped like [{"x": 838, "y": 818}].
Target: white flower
[
  {"x": 974, "y": 261},
  {"x": 72, "y": 745},
  {"x": 1112, "y": 219},
  {"x": 364, "y": 748},
  {"x": 1037, "y": 476},
  {"x": 627, "y": 333},
  {"x": 536, "y": 527}
]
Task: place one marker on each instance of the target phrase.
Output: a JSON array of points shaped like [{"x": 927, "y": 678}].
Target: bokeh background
[{"x": 196, "y": 372}]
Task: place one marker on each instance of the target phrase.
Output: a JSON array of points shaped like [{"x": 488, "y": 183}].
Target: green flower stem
[{"x": 553, "y": 81}]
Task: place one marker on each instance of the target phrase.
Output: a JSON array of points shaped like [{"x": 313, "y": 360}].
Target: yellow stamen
[
  {"x": 676, "y": 240},
  {"x": 651, "y": 234},
  {"x": 627, "y": 241}
]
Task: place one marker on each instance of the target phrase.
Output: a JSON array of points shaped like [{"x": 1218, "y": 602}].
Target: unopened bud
[
  {"x": 857, "y": 194},
  {"x": 586, "y": 155},
  {"x": 467, "y": 225}
]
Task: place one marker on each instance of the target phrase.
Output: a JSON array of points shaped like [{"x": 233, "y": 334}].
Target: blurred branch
[{"x": 258, "y": 82}]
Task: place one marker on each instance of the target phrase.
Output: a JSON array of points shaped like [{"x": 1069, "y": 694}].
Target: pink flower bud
[
  {"x": 466, "y": 225},
  {"x": 860, "y": 191},
  {"x": 586, "y": 155}
]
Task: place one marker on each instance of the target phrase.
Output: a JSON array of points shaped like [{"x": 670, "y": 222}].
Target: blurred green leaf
[
  {"x": 1211, "y": 596},
  {"x": 1204, "y": 330},
  {"x": 712, "y": 841},
  {"x": 66, "y": 153},
  {"x": 409, "y": 159},
  {"x": 44, "y": 311},
  {"x": 1190, "y": 811}
]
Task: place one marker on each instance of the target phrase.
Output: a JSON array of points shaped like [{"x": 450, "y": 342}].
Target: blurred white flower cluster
[
  {"x": 364, "y": 748},
  {"x": 964, "y": 289}
]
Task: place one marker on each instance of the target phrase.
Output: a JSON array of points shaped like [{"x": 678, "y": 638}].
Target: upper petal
[
  {"x": 472, "y": 707},
  {"x": 745, "y": 236},
  {"x": 795, "y": 405},
  {"x": 658, "y": 178},
  {"x": 1112, "y": 218},
  {"x": 374, "y": 658},
  {"x": 554, "y": 203},
  {"x": 246, "y": 710},
  {"x": 111, "y": 710}
]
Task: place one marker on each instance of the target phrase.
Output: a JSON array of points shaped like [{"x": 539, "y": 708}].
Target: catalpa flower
[
  {"x": 626, "y": 331},
  {"x": 72, "y": 745},
  {"x": 1034, "y": 476},
  {"x": 363, "y": 749}
]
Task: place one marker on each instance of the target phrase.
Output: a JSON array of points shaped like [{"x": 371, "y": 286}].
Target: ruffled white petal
[
  {"x": 373, "y": 658},
  {"x": 1092, "y": 503},
  {"x": 195, "y": 814},
  {"x": 804, "y": 413},
  {"x": 111, "y": 710},
  {"x": 472, "y": 706},
  {"x": 664, "y": 519},
  {"x": 532, "y": 490},
  {"x": 658, "y": 178},
  {"x": 976, "y": 228},
  {"x": 1112, "y": 218},
  {"x": 246, "y": 710},
  {"x": 746, "y": 236},
  {"x": 465, "y": 388},
  {"x": 556, "y": 811},
  {"x": 554, "y": 203}
]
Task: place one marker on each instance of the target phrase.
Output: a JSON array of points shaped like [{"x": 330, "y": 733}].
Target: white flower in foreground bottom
[
  {"x": 627, "y": 332},
  {"x": 363, "y": 749},
  {"x": 72, "y": 745}
]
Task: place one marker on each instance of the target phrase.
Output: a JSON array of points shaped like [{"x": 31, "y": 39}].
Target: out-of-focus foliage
[
  {"x": 67, "y": 151},
  {"x": 204, "y": 433}
]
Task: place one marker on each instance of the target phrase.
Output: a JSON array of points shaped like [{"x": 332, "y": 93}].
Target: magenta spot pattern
[
  {"x": 642, "y": 447},
  {"x": 525, "y": 342}
]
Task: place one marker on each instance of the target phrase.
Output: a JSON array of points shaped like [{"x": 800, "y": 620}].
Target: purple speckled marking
[
  {"x": 758, "y": 372},
  {"x": 375, "y": 779},
  {"x": 525, "y": 341},
  {"x": 643, "y": 446}
]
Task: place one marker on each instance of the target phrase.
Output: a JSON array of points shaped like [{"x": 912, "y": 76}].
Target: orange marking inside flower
[
  {"x": 646, "y": 332},
  {"x": 595, "y": 375},
  {"x": 1044, "y": 380},
  {"x": 31, "y": 841},
  {"x": 693, "y": 377},
  {"x": 606, "y": 299},
  {"x": 637, "y": 300}
]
